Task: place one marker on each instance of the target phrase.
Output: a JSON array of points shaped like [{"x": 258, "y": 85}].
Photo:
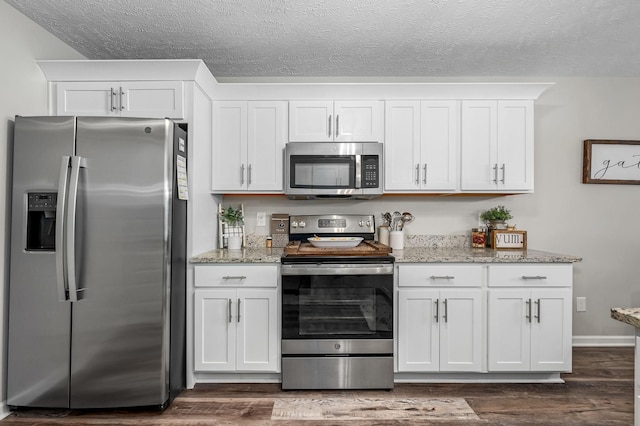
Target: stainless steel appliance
[
  {"x": 98, "y": 258},
  {"x": 337, "y": 310},
  {"x": 333, "y": 170}
]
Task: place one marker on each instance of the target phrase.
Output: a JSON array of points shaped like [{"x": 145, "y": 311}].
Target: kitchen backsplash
[{"x": 430, "y": 241}]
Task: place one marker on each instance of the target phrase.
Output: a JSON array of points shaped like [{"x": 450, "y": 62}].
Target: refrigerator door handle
[
  {"x": 76, "y": 163},
  {"x": 61, "y": 209}
]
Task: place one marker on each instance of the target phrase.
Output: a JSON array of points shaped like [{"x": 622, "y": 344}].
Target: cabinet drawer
[
  {"x": 531, "y": 275},
  {"x": 236, "y": 276},
  {"x": 440, "y": 275}
]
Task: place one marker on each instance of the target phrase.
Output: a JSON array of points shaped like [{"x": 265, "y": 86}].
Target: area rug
[{"x": 372, "y": 409}]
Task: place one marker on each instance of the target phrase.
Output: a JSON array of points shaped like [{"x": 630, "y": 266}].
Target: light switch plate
[{"x": 261, "y": 219}]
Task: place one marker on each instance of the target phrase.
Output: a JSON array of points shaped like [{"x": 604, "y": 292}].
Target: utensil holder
[
  {"x": 383, "y": 235},
  {"x": 396, "y": 240}
]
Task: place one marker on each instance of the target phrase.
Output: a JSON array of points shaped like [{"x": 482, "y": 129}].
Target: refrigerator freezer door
[
  {"x": 120, "y": 343},
  {"x": 39, "y": 324}
]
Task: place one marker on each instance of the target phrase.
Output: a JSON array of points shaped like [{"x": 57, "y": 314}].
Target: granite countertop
[
  {"x": 408, "y": 255},
  {"x": 630, "y": 316}
]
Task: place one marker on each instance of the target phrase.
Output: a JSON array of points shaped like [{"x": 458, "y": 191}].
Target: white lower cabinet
[
  {"x": 439, "y": 330},
  {"x": 440, "y": 318},
  {"x": 236, "y": 325},
  {"x": 530, "y": 318}
]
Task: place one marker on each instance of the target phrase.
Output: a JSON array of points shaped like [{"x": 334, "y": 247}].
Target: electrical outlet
[
  {"x": 261, "y": 219},
  {"x": 581, "y": 304}
]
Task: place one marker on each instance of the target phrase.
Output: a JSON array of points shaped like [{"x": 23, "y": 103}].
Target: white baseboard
[{"x": 603, "y": 341}]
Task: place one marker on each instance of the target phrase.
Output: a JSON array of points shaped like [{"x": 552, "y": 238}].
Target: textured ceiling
[{"x": 356, "y": 38}]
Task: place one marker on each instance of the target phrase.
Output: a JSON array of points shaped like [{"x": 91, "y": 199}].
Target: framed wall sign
[
  {"x": 509, "y": 239},
  {"x": 611, "y": 161}
]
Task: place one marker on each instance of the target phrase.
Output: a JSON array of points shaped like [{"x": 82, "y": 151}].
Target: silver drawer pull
[
  {"x": 442, "y": 277},
  {"x": 231, "y": 277},
  {"x": 534, "y": 277}
]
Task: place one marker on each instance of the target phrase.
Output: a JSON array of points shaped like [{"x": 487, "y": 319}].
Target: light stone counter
[
  {"x": 631, "y": 316},
  {"x": 408, "y": 255}
]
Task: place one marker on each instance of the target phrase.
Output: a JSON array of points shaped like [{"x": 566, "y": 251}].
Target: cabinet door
[
  {"x": 214, "y": 330},
  {"x": 510, "y": 314},
  {"x": 479, "y": 142},
  {"x": 515, "y": 145},
  {"x": 257, "y": 339},
  {"x": 461, "y": 330},
  {"x": 402, "y": 146},
  {"x": 160, "y": 99},
  {"x": 439, "y": 145},
  {"x": 229, "y": 146},
  {"x": 358, "y": 121},
  {"x": 418, "y": 323},
  {"x": 88, "y": 98},
  {"x": 311, "y": 121},
  {"x": 266, "y": 141},
  {"x": 551, "y": 330}
]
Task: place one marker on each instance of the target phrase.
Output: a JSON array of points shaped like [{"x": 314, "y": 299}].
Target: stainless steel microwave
[{"x": 333, "y": 170}]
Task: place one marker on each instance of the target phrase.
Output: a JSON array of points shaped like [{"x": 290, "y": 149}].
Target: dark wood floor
[{"x": 598, "y": 392}]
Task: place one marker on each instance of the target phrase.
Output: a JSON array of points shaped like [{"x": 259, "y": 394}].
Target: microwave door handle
[
  {"x": 61, "y": 272},
  {"x": 358, "y": 183}
]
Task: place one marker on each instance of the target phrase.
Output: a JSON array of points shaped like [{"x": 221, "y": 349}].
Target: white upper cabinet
[
  {"x": 156, "y": 99},
  {"x": 421, "y": 145},
  {"x": 247, "y": 146},
  {"x": 336, "y": 121},
  {"x": 497, "y": 146}
]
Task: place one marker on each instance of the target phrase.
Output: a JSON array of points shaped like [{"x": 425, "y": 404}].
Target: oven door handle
[{"x": 337, "y": 269}]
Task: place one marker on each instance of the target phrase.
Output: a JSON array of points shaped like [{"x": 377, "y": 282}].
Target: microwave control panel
[{"x": 370, "y": 171}]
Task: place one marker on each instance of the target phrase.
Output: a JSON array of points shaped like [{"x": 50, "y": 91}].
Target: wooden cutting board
[{"x": 365, "y": 248}]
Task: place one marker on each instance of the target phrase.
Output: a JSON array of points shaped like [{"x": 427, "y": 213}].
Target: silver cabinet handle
[
  {"x": 503, "y": 168},
  {"x": 437, "y": 302},
  {"x": 229, "y": 311},
  {"x": 441, "y": 277},
  {"x": 242, "y": 174},
  {"x": 70, "y": 238},
  {"x": 537, "y": 317},
  {"x": 234, "y": 277},
  {"x": 61, "y": 272},
  {"x": 249, "y": 175},
  {"x": 337, "y": 125},
  {"x": 528, "y": 314},
  {"x": 113, "y": 100},
  {"x": 122, "y": 102},
  {"x": 446, "y": 311},
  {"x": 495, "y": 173},
  {"x": 534, "y": 277},
  {"x": 238, "y": 319},
  {"x": 418, "y": 174},
  {"x": 424, "y": 173},
  {"x": 330, "y": 132}
]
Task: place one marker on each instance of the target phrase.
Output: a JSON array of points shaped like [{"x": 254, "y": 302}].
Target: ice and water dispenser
[{"x": 41, "y": 221}]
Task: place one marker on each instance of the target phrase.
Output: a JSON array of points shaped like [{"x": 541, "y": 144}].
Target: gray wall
[{"x": 24, "y": 92}]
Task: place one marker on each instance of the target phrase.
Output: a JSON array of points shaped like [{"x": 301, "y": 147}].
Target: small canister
[
  {"x": 383, "y": 235},
  {"x": 269, "y": 242},
  {"x": 478, "y": 238}
]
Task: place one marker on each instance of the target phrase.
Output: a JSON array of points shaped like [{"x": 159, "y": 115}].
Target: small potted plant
[
  {"x": 234, "y": 220},
  {"x": 496, "y": 217}
]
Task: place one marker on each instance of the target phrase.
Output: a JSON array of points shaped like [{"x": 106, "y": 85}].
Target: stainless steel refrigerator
[{"x": 98, "y": 262}]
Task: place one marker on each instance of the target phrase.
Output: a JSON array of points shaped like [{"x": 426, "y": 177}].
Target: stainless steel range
[{"x": 337, "y": 307}]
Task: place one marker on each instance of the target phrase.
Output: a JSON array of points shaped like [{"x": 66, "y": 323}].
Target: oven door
[{"x": 337, "y": 301}]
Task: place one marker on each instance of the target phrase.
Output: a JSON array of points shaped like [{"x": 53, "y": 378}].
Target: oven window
[
  {"x": 336, "y": 306},
  {"x": 322, "y": 172}
]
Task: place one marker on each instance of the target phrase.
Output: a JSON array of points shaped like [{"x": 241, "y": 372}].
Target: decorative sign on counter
[
  {"x": 611, "y": 161},
  {"x": 509, "y": 239}
]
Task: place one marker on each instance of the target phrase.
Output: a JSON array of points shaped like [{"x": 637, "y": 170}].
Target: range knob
[
  {"x": 302, "y": 224},
  {"x": 294, "y": 224}
]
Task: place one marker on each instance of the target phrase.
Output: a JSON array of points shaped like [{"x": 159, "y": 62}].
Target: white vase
[{"x": 234, "y": 242}]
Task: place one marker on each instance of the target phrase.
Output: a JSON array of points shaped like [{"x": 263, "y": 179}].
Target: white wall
[
  {"x": 597, "y": 222},
  {"x": 24, "y": 92}
]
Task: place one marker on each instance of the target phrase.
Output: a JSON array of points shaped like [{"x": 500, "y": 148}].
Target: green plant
[
  {"x": 232, "y": 217},
  {"x": 496, "y": 213}
]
